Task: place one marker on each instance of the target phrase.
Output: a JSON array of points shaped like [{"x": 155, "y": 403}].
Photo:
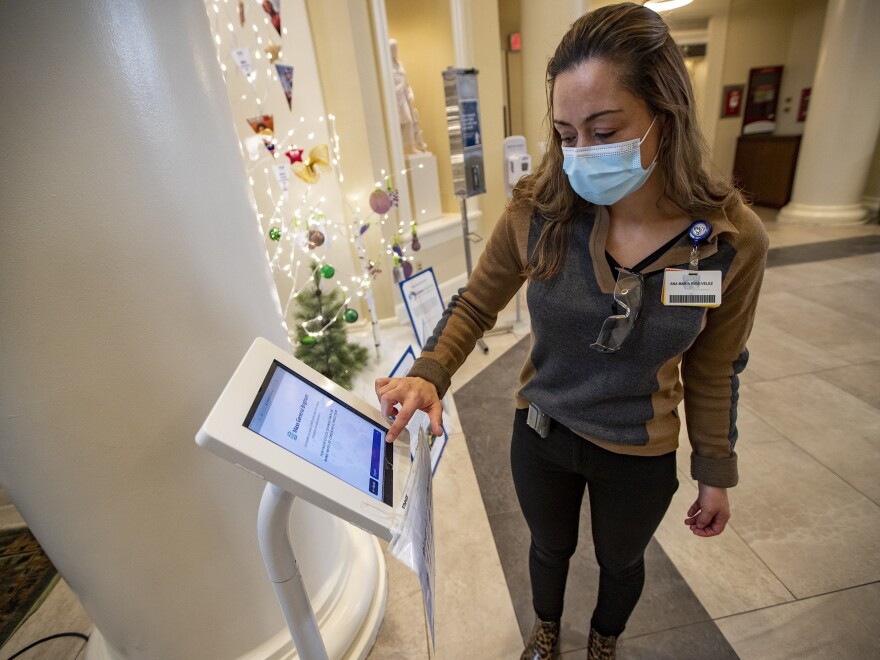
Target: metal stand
[
  {"x": 468, "y": 262},
  {"x": 273, "y": 522}
]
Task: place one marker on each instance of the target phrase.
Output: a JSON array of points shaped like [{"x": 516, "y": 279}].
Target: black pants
[{"x": 628, "y": 497}]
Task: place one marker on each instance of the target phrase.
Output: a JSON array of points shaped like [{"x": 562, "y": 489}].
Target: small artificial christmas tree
[{"x": 320, "y": 330}]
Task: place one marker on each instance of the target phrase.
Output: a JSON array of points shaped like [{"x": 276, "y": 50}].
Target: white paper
[
  {"x": 421, "y": 295},
  {"x": 420, "y": 419},
  {"x": 413, "y": 541}
]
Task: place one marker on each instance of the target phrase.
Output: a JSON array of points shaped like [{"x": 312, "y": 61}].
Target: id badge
[{"x": 691, "y": 288}]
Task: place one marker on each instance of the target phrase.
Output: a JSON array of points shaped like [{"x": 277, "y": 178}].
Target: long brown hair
[{"x": 636, "y": 42}]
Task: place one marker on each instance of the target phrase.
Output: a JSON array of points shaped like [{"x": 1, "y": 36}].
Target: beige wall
[
  {"x": 800, "y": 63},
  {"x": 487, "y": 59},
  {"x": 762, "y": 33},
  {"x": 541, "y": 32},
  {"x": 509, "y": 12},
  {"x": 424, "y": 45}
]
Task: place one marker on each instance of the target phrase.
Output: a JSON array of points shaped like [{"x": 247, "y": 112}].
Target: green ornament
[
  {"x": 350, "y": 315},
  {"x": 308, "y": 340},
  {"x": 328, "y": 271},
  {"x": 275, "y": 234}
]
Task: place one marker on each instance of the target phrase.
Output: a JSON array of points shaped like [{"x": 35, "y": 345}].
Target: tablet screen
[{"x": 313, "y": 424}]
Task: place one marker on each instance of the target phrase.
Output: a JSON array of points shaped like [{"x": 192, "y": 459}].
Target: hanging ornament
[
  {"x": 316, "y": 238},
  {"x": 407, "y": 269},
  {"x": 273, "y": 52},
  {"x": 350, "y": 315},
  {"x": 273, "y": 12},
  {"x": 381, "y": 201},
  {"x": 264, "y": 126},
  {"x": 364, "y": 228},
  {"x": 307, "y": 168},
  {"x": 275, "y": 234},
  {"x": 295, "y": 155},
  {"x": 308, "y": 340},
  {"x": 395, "y": 247},
  {"x": 328, "y": 271},
  {"x": 415, "y": 244},
  {"x": 285, "y": 77},
  {"x": 397, "y": 270},
  {"x": 242, "y": 57}
]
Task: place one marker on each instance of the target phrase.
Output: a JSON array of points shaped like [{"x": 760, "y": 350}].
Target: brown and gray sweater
[{"x": 625, "y": 401}]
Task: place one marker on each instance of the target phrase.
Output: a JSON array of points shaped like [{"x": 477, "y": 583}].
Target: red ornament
[{"x": 295, "y": 155}]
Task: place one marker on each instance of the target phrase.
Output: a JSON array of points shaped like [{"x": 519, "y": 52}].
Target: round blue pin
[{"x": 699, "y": 231}]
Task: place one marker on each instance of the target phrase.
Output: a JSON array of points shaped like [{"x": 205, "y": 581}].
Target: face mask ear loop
[
  {"x": 645, "y": 136},
  {"x": 659, "y": 143}
]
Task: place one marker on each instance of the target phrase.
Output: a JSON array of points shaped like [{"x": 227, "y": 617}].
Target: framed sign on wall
[{"x": 761, "y": 100}]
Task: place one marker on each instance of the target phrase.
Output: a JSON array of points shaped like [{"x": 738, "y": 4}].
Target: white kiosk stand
[
  {"x": 273, "y": 523},
  {"x": 307, "y": 437}
]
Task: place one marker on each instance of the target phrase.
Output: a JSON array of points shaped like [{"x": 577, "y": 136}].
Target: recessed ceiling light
[{"x": 666, "y": 5}]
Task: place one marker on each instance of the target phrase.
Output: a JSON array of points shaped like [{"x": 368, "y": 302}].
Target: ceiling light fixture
[{"x": 666, "y": 5}]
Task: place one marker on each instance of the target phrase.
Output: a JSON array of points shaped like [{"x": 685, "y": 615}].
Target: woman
[{"x": 609, "y": 232}]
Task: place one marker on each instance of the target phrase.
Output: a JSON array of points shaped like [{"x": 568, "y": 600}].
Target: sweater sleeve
[
  {"x": 498, "y": 275},
  {"x": 711, "y": 366}
]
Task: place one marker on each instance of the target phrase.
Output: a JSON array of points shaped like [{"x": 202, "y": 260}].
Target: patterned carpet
[{"x": 26, "y": 577}]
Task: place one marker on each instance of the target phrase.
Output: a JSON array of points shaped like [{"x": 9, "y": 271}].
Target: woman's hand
[
  {"x": 709, "y": 514},
  {"x": 402, "y": 397}
]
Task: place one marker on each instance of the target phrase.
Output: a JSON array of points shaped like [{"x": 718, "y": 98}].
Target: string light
[{"x": 294, "y": 216}]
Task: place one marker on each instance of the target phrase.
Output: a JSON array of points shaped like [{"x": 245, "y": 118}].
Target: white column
[
  {"x": 843, "y": 119},
  {"x": 133, "y": 279}
]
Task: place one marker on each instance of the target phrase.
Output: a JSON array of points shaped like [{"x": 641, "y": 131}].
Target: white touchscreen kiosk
[{"x": 285, "y": 422}]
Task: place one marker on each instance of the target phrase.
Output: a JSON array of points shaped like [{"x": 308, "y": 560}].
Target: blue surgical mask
[{"x": 607, "y": 173}]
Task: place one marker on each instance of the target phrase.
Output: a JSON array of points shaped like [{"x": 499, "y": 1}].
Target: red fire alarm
[{"x": 514, "y": 42}]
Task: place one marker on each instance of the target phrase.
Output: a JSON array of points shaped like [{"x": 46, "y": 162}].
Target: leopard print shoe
[
  {"x": 543, "y": 643},
  {"x": 601, "y": 647}
]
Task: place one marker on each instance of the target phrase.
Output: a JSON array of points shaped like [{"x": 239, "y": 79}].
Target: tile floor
[{"x": 797, "y": 573}]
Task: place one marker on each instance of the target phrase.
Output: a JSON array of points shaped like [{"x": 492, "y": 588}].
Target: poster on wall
[
  {"x": 761, "y": 100},
  {"x": 733, "y": 101}
]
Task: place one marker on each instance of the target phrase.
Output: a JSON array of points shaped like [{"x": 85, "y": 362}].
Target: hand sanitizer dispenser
[{"x": 517, "y": 162}]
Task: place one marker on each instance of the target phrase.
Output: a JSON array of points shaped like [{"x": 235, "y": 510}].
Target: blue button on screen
[{"x": 377, "y": 454}]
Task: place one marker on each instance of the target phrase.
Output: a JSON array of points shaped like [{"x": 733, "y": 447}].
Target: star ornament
[{"x": 273, "y": 52}]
